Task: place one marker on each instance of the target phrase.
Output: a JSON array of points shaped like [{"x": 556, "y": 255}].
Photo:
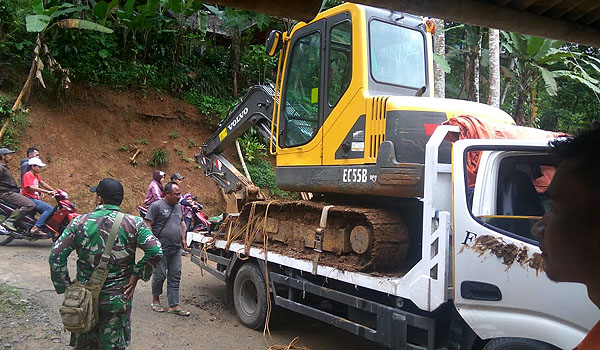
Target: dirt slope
[{"x": 80, "y": 139}]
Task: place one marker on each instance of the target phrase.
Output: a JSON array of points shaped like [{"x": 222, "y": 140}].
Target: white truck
[{"x": 478, "y": 280}]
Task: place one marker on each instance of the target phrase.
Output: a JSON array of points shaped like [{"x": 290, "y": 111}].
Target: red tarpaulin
[{"x": 474, "y": 128}]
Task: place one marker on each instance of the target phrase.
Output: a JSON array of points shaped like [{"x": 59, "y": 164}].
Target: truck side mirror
[{"x": 273, "y": 44}]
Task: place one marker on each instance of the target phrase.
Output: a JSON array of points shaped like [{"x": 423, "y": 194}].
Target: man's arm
[
  {"x": 152, "y": 255},
  {"x": 61, "y": 250},
  {"x": 152, "y": 252},
  {"x": 150, "y": 216},
  {"x": 148, "y": 223},
  {"x": 46, "y": 186},
  {"x": 183, "y": 236}
]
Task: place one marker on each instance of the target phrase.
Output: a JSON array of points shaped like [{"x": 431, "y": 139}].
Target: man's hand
[
  {"x": 185, "y": 246},
  {"x": 130, "y": 287}
]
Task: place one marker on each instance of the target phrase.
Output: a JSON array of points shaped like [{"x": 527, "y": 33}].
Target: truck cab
[{"x": 500, "y": 287}]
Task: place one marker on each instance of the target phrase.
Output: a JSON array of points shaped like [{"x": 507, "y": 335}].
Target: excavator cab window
[
  {"x": 301, "y": 91},
  {"x": 397, "y": 55},
  {"x": 340, "y": 61}
]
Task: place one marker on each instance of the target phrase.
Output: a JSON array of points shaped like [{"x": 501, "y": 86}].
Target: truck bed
[{"x": 415, "y": 284}]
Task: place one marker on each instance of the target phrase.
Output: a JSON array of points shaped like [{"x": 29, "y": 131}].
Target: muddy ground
[{"x": 29, "y": 318}]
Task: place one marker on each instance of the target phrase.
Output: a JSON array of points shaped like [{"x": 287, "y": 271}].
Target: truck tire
[
  {"x": 250, "y": 296},
  {"x": 517, "y": 344}
]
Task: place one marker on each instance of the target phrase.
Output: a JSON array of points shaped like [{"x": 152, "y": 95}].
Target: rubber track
[{"x": 390, "y": 233}]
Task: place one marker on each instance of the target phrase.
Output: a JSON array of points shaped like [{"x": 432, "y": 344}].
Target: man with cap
[
  {"x": 87, "y": 235},
  {"x": 176, "y": 178},
  {"x": 32, "y": 186},
  {"x": 9, "y": 191}
]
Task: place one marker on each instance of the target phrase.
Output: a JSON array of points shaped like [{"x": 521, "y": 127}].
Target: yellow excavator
[{"x": 348, "y": 120}]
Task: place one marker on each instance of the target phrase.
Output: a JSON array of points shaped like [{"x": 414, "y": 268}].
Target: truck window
[
  {"x": 301, "y": 112},
  {"x": 509, "y": 191},
  {"x": 340, "y": 61},
  {"x": 397, "y": 55}
]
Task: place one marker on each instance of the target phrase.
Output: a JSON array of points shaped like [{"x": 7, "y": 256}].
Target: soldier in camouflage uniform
[{"x": 87, "y": 234}]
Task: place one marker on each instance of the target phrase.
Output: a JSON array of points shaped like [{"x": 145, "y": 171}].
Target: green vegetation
[
  {"x": 10, "y": 301},
  {"x": 263, "y": 175},
  {"x": 141, "y": 141},
  {"x": 124, "y": 148},
  {"x": 18, "y": 123},
  {"x": 160, "y": 158},
  {"x": 252, "y": 147},
  {"x": 191, "y": 143},
  {"x": 173, "y": 135}
]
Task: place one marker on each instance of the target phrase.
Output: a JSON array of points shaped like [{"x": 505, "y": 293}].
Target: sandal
[
  {"x": 157, "y": 307},
  {"x": 179, "y": 312},
  {"x": 38, "y": 232}
]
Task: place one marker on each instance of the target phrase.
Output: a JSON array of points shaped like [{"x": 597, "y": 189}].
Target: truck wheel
[
  {"x": 250, "y": 296},
  {"x": 517, "y": 344}
]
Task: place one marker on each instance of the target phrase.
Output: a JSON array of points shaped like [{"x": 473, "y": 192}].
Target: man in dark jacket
[
  {"x": 9, "y": 191},
  {"x": 32, "y": 152}
]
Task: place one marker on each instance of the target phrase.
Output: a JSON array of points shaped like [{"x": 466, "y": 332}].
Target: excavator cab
[{"x": 351, "y": 109}]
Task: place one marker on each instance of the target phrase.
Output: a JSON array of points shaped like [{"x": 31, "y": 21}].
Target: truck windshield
[{"x": 397, "y": 55}]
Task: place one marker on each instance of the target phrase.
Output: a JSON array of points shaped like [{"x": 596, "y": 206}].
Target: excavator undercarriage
[{"x": 376, "y": 239}]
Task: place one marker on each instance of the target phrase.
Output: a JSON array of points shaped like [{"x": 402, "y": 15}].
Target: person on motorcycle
[
  {"x": 9, "y": 191},
  {"x": 155, "y": 188},
  {"x": 31, "y": 153},
  {"x": 32, "y": 187}
]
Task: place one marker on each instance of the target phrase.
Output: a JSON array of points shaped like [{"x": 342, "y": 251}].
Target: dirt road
[{"x": 29, "y": 318}]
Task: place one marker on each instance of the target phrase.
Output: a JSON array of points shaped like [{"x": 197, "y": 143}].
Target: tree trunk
[
  {"x": 494, "y": 74},
  {"x": 534, "y": 106},
  {"x": 439, "y": 47},
  {"x": 519, "y": 109},
  {"x": 235, "y": 56},
  {"x": 476, "y": 68},
  {"x": 466, "y": 85},
  {"x": 511, "y": 66}
]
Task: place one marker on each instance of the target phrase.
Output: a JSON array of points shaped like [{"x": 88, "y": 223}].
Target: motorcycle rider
[
  {"x": 32, "y": 152},
  {"x": 32, "y": 186},
  {"x": 155, "y": 188},
  {"x": 9, "y": 191}
]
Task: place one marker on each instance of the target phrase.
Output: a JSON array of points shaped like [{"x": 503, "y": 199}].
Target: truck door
[{"x": 500, "y": 287}]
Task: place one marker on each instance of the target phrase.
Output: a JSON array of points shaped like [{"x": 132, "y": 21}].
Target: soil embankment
[{"x": 93, "y": 132}]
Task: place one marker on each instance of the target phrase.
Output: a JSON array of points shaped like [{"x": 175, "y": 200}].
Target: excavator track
[{"x": 368, "y": 239}]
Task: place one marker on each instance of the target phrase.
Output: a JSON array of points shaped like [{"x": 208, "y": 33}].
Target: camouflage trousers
[{"x": 112, "y": 332}]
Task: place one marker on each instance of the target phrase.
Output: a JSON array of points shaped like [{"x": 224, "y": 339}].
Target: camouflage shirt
[{"x": 87, "y": 234}]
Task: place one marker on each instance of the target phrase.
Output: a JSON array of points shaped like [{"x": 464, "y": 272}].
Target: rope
[
  {"x": 291, "y": 346},
  {"x": 255, "y": 226}
]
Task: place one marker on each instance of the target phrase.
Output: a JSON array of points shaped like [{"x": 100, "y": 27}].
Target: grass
[
  {"x": 10, "y": 301},
  {"x": 160, "y": 158}
]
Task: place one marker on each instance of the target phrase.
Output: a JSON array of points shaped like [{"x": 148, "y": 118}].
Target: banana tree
[
  {"x": 539, "y": 60},
  {"x": 41, "y": 22},
  {"x": 235, "y": 22}
]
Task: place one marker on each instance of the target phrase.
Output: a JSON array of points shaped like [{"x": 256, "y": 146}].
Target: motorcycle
[
  {"x": 63, "y": 213},
  {"x": 142, "y": 210},
  {"x": 200, "y": 220}
]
